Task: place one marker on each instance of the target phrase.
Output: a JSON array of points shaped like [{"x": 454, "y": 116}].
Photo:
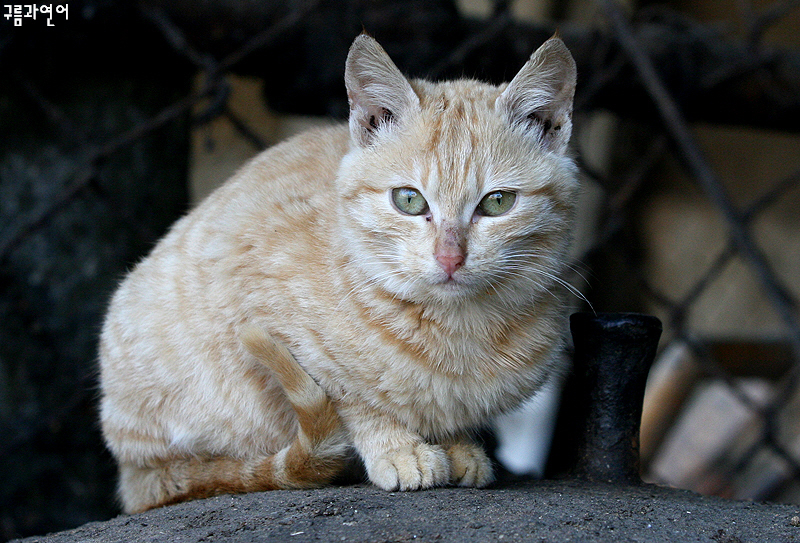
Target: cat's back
[
  {"x": 295, "y": 176},
  {"x": 280, "y": 198},
  {"x": 279, "y": 203},
  {"x": 169, "y": 333}
]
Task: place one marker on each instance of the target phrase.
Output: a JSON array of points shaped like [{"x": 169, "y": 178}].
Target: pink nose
[{"x": 450, "y": 263}]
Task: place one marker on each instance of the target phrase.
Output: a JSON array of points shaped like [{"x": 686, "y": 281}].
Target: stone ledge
[{"x": 541, "y": 511}]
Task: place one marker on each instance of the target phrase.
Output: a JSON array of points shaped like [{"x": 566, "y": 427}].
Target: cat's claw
[
  {"x": 469, "y": 465},
  {"x": 411, "y": 467}
]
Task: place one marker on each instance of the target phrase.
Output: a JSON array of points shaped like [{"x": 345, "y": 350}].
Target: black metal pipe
[{"x": 597, "y": 435}]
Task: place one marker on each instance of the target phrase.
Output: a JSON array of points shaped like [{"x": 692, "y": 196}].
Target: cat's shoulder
[
  {"x": 299, "y": 166},
  {"x": 317, "y": 149}
]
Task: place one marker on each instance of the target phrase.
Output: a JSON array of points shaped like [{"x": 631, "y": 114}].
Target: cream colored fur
[{"x": 305, "y": 245}]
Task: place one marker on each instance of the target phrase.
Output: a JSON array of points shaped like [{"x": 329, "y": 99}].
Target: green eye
[
  {"x": 409, "y": 201},
  {"x": 496, "y": 203}
]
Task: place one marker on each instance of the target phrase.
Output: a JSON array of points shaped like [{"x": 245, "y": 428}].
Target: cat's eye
[
  {"x": 496, "y": 203},
  {"x": 409, "y": 201}
]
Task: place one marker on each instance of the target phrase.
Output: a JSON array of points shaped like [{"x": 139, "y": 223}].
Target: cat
[{"x": 383, "y": 286}]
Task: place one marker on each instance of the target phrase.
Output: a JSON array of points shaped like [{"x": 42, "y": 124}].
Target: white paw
[
  {"x": 469, "y": 465},
  {"x": 410, "y": 468}
]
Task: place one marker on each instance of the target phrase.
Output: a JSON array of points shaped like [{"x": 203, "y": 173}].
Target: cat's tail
[
  {"x": 317, "y": 454},
  {"x": 320, "y": 448}
]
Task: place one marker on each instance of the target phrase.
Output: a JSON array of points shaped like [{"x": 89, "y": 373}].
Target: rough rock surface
[{"x": 544, "y": 511}]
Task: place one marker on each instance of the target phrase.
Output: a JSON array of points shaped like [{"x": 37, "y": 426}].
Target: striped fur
[
  {"x": 416, "y": 328},
  {"x": 316, "y": 454}
]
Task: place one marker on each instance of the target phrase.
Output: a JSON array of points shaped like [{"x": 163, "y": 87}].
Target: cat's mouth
[{"x": 451, "y": 281}]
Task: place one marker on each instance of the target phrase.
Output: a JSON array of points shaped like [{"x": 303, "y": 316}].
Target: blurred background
[{"x": 115, "y": 117}]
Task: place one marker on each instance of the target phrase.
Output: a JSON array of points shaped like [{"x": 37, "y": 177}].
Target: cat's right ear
[{"x": 379, "y": 94}]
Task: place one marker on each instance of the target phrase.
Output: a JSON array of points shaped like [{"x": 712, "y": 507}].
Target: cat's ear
[
  {"x": 539, "y": 98},
  {"x": 379, "y": 94}
]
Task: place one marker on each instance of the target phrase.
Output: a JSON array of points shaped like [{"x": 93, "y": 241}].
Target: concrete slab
[{"x": 540, "y": 511}]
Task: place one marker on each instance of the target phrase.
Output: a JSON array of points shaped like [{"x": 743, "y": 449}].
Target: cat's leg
[
  {"x": 395, "y": 458},
  {"x": 469, "y": 464}
]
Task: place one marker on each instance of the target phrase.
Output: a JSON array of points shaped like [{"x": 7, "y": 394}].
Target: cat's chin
[{"x": 451, "y": 284}]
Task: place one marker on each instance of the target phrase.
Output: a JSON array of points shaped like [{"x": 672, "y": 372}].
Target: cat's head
[{"x": 457, "y": 190}]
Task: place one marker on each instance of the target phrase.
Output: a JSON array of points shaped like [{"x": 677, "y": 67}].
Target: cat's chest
[
  {"x": 438, "y": 384},
  {"x": 437, "y": 403},
  {"x": 438, "y": 370}
]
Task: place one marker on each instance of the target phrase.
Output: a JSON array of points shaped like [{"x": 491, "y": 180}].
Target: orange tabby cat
[{"x": 410, "y": 263}]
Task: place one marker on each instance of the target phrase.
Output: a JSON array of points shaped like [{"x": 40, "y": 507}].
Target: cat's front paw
[
  {"x": 469, "y": 465},
  {"x": 410, "y": 468}
]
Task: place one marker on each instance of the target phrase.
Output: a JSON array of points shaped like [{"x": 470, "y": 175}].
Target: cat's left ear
[
  {"x": 539, "y": 98},
  {"x": 379, "y": 94}
]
